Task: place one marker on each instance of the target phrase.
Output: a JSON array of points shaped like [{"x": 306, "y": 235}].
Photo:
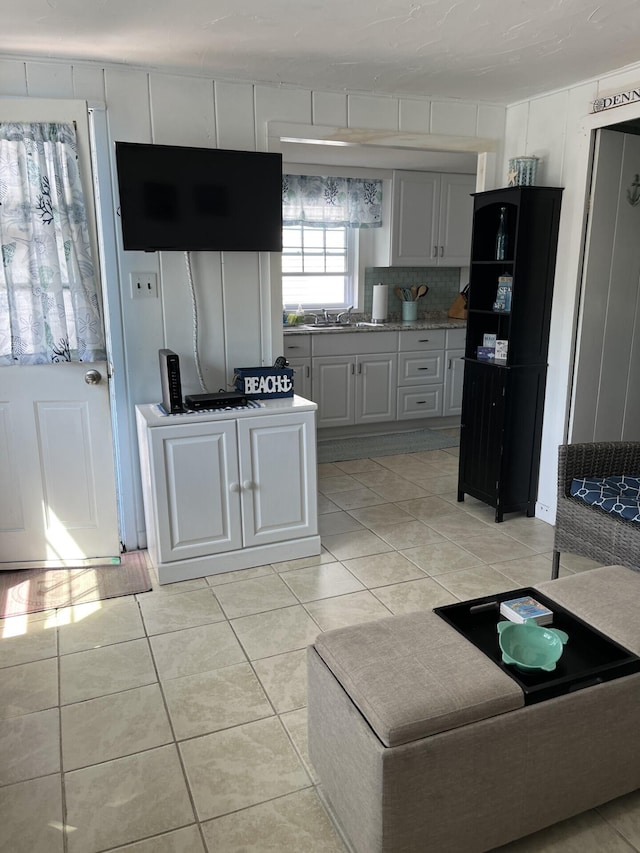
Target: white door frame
[
  {"x": 124, "y": 442},
  {"x": 577, "y": 247}
]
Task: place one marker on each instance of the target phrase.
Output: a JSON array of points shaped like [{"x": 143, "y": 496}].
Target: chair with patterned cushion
[{"x": 598, "y": 530}]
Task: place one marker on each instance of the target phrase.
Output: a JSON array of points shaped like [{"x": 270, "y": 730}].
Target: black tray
[{"x": 589, "y": 657}]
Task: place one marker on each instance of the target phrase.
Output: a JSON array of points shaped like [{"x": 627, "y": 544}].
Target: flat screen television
[{"x": 176, "y": 198}]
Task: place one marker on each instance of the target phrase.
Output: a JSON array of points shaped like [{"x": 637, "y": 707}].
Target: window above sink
[{"x": 318, "y": 265}]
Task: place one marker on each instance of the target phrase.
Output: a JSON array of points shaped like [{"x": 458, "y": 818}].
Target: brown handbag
[{"x": 458, "y": 309}]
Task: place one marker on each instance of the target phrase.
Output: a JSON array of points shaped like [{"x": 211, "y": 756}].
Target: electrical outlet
[{"x": 144, "y": 285}]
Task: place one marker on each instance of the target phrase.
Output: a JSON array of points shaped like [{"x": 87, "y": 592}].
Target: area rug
[
  {"x": 389, "y": 444},
  {"x": 32, "y": 590}
]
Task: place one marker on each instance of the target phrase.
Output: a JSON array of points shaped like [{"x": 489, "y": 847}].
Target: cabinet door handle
[
  {"x": 420, "y": 402},
  {"x": 248, "y": 485},
  {"x": 293, "y": 347},
  {"x": 423, "y": 340},
  {"x": 434, "y": 254},
  {"x": 234, "y": 487},
  {"x": 359, "y": 368},
  {"x": 449, "y": 365},
  {"x": 308, "y": 372},
  {"x": 353, "y": 369},
  {"x": 423, "y": 368},
  {"x": 442, "y": 251}
]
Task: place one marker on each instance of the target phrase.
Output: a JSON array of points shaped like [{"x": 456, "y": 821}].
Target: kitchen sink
[{"x": 318, "y": 327}]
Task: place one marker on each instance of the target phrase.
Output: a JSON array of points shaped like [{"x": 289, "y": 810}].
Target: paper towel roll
[{"x": 380, "y": 303}]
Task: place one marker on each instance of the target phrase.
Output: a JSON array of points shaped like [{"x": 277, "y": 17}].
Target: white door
[
  {"x": 56, "y": 441},
  {"x": 606, "y": 393}
]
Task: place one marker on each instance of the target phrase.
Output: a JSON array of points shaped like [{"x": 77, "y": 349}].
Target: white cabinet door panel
[
  {"x": 454, "y": 377},
  {"x": 375, "y": 388},
  {"x": 333, "y": 390},
  {"x": 277, "y": 464},
  {"x": 197, "y": 489}
]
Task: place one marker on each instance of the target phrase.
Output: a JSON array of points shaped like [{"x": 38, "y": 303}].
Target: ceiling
[{"x": 499, "y": 51}]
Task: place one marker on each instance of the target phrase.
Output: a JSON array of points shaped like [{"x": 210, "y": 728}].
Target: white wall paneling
[
  {"x": 235, "y": 119},
  {"x": 88, "y": 83},
  {"x": 13, "y": 75},
  {"x": 279, "y": 104},
  {"x": 454, "y": 117},
  {"x": 376, "y": 113},
  {"x": 415, "y": 116},
  {"x": 49, "y": 80},
  {"x": 182, "y": 111},
  {"x": 329, "y": 108}
]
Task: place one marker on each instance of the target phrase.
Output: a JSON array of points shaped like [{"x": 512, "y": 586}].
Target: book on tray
[{"x": 520, "y": 609}]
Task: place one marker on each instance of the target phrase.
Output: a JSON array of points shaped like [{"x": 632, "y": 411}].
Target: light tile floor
[{"x": 175, "y": 721}]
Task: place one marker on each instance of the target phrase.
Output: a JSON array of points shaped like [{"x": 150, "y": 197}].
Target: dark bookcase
[{"x": 503, "y": 399}]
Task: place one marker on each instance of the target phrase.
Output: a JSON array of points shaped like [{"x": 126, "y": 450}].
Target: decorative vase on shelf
[{"x": 501, "y": 236}]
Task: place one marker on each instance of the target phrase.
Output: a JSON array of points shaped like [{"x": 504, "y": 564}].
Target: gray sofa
[{"x": 421, "y": 743}]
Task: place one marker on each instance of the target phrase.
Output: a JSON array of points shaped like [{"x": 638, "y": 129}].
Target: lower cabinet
[
  {"x": 354, "y": 389},
  {"x": 500, "y": 435},
  {"x": 225, "y": 491},
  {"x": 301, "y": 376},
  {"x": 453, "y": 382}
]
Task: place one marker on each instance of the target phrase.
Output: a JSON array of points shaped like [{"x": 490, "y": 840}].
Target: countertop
[{"x": 436, "y": 320}]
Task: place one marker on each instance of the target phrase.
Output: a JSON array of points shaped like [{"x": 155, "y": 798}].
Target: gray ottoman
[{"x": 421, "y": 743}]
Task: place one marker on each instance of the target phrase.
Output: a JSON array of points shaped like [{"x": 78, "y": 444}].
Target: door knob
[{"x": 92, "y": 377}]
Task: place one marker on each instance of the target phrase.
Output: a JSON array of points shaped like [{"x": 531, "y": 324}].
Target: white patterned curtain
[
  {"x": 315, "y": 200},
  {"x": 49, "y": 306}
]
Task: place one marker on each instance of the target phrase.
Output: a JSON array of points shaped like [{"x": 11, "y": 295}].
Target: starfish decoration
[{"x": 511, "y": 177}]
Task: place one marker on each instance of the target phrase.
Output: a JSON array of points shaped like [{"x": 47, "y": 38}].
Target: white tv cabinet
[{"x": 227, "y": 490}]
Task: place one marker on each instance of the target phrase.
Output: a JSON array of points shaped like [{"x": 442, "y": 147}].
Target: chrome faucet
[{"x": 346, "y": 313}]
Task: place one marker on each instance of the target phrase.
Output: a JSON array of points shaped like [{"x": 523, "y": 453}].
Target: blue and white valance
[{"x": 314, "y": 200}]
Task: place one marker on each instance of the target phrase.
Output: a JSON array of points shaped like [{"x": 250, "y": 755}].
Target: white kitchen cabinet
[
  {"x": 297, "y": 351},
  {"x": 334, "y": 390},
  {"x": 420, "y": 374},
  {"x": 454, "y": 372},
  {"x": 356, "y": 384},
  {"x": 355, "y": 389},
  {"x": 301, "y": 376},
  {"x": 228, "y": 490},
  {"x": 431, "y": 219}
]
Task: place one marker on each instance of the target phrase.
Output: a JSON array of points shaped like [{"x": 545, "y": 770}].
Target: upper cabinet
[{"x": 431, "y": 219}]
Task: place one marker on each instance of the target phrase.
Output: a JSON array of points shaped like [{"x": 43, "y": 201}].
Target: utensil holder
[{"x": 409, "y": 312}]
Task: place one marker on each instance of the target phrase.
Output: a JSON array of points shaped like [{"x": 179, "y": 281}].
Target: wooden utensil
[
  {"x": 414, "y": 293},
  {"x": 422, "y": 290},
  {"x": 399, "y": 293}
]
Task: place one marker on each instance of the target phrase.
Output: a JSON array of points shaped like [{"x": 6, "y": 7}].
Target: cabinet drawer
[
  {"x": 420, "y": 402},
  {"x": 456, "y": 338},
  {"x": 420, "y": 368},
  {"x": 353, "y": 343},
  {"x": 297, "y": 346},
  {"x": 419, "y": 340}
]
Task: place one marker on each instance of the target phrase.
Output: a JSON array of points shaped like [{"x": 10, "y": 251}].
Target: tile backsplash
[{"x": 443, "y": 284}]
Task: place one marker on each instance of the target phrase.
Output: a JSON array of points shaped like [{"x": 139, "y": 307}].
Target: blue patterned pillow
[{"x": 617, "y": 495}]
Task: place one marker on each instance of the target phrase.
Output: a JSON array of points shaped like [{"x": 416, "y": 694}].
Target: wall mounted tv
[{"x": 175, "y": 198}]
